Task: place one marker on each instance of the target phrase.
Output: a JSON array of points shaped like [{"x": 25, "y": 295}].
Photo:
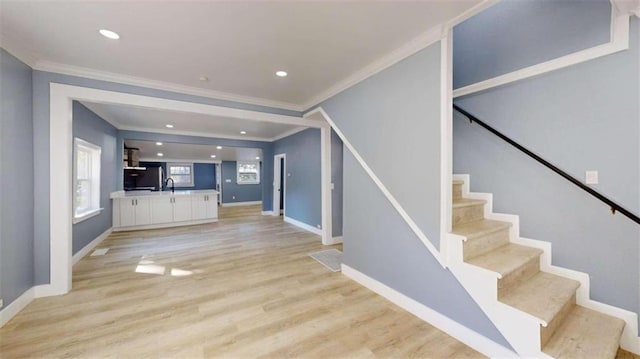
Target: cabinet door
[
  {"x": 127, "y": 212},
  {"x": 211, "y": 202},
  {"x": 143, "y": 213},
  {"x": 161, "y": 210},
  {"x": 181, "y": 208},
  {"x": 198, "y": 207}
]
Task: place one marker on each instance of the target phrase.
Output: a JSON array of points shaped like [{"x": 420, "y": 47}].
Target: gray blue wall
[
  {"x": 16, "y": 166},
  {"x": 241, "y": 192},
  {"x": 515, "y": 34},
  {"x": 303, "y": 201},
  {"x": 41, "y": 84},
  {"x": 92, "y": 128},
  {"x": 585, "y": 117},
  {"x": 393, "y": 120}
]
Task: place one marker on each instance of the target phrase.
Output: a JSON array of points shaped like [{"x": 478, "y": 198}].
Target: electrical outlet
[
  {"x": 1, "y": 303},
  {"x": 227, "y": 180},
  {"x": 333, "y": 186},
  {"x": 234, "y": 197},
  {"x": 591, "y": 177},
  {"x": 319, "y": 227}
]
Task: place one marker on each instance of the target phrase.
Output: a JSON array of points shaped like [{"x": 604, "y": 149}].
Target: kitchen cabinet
[
  {"x": 204, "y": 206},
  {"x": 134, "y": 212},
  {"x": 168, "y": 209},
  {"x": 161, "y": 209}
]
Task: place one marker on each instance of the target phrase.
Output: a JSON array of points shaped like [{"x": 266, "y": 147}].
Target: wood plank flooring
[{"x": 240, "y": 288}]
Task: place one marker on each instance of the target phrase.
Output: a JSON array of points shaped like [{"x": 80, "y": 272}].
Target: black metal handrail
[{"x": 614, "y": 206}]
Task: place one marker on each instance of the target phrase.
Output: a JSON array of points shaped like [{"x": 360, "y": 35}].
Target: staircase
[{"x": 535, "y": 310}]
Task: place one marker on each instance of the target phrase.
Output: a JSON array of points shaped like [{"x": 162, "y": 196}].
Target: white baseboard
[
  {"x": 267, "y": 213},
  {"x": 16, "y": 306},
  {"x": 233, "y": 204},
  {"x": 469, "y": 337},
  {"x": 303, "y": 225},
  {"x": 165, "y": 225},
  {"x": 89, "y": 247},
  {"x": 336, "y": 240}
]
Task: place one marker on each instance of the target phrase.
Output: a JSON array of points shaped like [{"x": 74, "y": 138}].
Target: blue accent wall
[
  {"x": 16, "y": 166},
  {"x": 514, "y": 34},
  {"x": 92, "y": 128},
  {"x": 241, "y": 192},
  {"x": 584, "y": 117},
  {"x": 393, "y": 120},
  {"x": 204, "y": 174},
  {"x": 303, "y": 201}
]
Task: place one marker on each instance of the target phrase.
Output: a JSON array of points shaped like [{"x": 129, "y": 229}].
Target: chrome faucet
[{"x": 166, "y": 183}]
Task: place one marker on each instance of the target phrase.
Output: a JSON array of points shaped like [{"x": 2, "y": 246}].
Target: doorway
[{"x": 279, "y": 184}]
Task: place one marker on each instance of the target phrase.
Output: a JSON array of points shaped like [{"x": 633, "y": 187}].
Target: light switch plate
[
  {"x": 591, "y": 177},
  {"x": 227, "y": 181},
  {"x": 333, "y": 186},
  {"x": 1, "y": 303}
]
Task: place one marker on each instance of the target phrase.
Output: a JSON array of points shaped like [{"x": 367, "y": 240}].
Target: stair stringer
[{"x": 481, "y": 284}]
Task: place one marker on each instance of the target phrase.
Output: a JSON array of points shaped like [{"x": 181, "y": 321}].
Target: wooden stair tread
[
  {"x": 586, "y": 333},
  {"x": 479, "y": 228},
  {"x": 506, "y": 259},
  {"x": 458, "y": 182},
  {"x": 542, "y": 295},
  {"x": 467, "y": 202}
]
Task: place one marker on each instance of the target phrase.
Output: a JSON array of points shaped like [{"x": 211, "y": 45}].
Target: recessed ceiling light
[
  {"x": 168, "y": 126},
  {"x": 109, "y": 34},
  {"x": 213, "y": 156},
  {"x": 243, "y": 132},
  {"x": 281, "y": 73},
  {"x": 204, "y": 78},
  {"x": 160, "y": 154},
  {"x": 219, "y": 147},
  {"x": 158, "y": 143},
  {"x": 258, "y": 157}
]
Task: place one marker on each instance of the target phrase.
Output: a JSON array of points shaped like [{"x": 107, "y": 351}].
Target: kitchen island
[{"x": 133, "y": 210}]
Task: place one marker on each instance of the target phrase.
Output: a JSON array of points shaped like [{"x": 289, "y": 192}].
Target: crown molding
[
  {"x": 48, "y": 66},
  {"x": 17, "y": 51},
  {"x": 420, "y": 42}
]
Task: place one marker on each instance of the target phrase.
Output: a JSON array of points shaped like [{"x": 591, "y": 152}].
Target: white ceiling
[
  {"x": 238, "y": 45},
  {"x": 176, "y": 152},
  {"x": 188, "y": 123}
]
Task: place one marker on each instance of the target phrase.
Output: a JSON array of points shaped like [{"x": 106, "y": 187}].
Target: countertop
[{"x": 134, "y": 194}]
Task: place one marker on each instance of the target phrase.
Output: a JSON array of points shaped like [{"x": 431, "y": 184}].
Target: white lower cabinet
[
  {"x": 164, "y": 209},
  {"x": 134, "y": 212},
  {"x": 170, "y": 209},
  {"x": 161, "y": 210},
  {"x": 204, "y": 206},
  {"x": 182, "y": 208}
]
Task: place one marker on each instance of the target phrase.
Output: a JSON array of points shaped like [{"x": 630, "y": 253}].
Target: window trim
[
  {"x": 96, "y": 151},
  {"x": 240, "y": 182},
  {"x": 182, "y": 164}
]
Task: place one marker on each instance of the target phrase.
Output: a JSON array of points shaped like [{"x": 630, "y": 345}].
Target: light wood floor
[{"x": 243, "y": 287}]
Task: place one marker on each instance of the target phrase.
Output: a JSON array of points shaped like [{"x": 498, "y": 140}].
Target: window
[
  {"x": 248, "y": 172},
  {"x": 86, "y": 177},
  {"x": 181, "y": 173}
]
